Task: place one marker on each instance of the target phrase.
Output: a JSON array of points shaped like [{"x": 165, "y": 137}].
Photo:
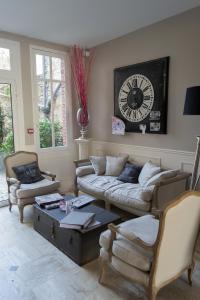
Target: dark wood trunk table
[{"x": 80, "y": 247}]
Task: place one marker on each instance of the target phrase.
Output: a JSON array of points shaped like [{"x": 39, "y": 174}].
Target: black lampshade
[{"x": 192, "y": 101}]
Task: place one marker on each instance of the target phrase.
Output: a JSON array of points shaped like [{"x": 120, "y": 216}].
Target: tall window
[{"x": 50, "y": 99}]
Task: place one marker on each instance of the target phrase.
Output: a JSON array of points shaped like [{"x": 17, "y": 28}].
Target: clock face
[{"x": 136, "y": 98}]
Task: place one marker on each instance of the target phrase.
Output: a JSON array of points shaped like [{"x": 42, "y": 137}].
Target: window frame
[
  {"x": 14, "y": 78},
  {"x": 34, "y": 50}
]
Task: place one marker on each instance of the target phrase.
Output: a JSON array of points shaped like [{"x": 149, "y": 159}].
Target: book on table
[
  {"x": 79, "y": 220},
  {"x": 82, "y": 200},
  {"x": 48, "y": 199}
]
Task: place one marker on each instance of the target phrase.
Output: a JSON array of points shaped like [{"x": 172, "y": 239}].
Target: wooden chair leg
[
  {"x": 190, "y": 272},
  {"x": 10, "y": 205},
  {"x": 102, "y": 270},
  {"x": 152, "y": 294},
  {"x": 21, "y": 213}
]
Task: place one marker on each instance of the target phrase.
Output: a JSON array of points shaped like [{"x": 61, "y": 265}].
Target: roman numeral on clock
[
  {"x": 125, "y": 92},
  {"x": 123, "y": 99},
  {"x": 129, "y": 85},
  {"x": 125, "y": 107},
  {"x": 134, "y": 83},
  {"x": 146, "y": 88}
]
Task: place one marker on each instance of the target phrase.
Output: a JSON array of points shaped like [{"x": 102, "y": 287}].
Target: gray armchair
[{"x": 24, "y": 194}]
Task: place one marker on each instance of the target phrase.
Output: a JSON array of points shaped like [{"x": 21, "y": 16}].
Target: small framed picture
[{"x": 154, "y": 126}]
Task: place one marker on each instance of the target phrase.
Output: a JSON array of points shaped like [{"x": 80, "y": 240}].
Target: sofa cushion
[
  {"x": 160, "y": 176},
  {"x": 130, "y": 195},
  {"x": 42, "y": 187},
  {"x": 84, "y": 170},
  {"x": 99, "y": 164},
  {"x": 115, "y": 165},
  {"x": 148, "y": 171},
  {"x": 97, "y": 185},
  {"x": 130, "y": 173}
]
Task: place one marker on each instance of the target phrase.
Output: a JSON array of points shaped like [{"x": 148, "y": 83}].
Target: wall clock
[{"x": 140, "y": 96}]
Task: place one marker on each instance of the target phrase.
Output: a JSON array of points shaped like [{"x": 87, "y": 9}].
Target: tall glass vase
[{"x": 83, "y": 121}]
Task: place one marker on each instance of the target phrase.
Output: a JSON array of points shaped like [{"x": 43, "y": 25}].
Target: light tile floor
[{"x": 32, "y": 269}]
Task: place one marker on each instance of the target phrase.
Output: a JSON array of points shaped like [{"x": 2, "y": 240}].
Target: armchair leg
[
  {"x": 21, "y": 213},
  {"x": 102, "y": 269},
  {"x": 152, "y": 294}
]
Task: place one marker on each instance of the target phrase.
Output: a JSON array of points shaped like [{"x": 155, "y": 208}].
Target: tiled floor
[
  {"x": 32, "y": 269},
  {"x": 3, "y": 187}
]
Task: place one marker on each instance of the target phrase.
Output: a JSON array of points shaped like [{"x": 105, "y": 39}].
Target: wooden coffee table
[{"x": 80, "y": 247}]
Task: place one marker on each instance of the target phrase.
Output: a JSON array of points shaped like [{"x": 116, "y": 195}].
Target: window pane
[
  {"x": 60, "y": 130},
  {"x": 4, "y": 59},
  {"x": 45, "y": 115},
  {"x": 57, "y": 68},
  {"x": 42, "y": 67}
]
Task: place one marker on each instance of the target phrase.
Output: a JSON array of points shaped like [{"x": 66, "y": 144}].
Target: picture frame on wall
[{"x": 141, "y": 96}]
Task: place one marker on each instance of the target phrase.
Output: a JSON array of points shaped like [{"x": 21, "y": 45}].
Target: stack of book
[
  {"x": 49, "y": 201},
  {"x": 83, "y": 221}
]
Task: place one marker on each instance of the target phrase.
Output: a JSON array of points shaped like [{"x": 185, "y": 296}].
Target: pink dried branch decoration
[{"x": 80, "y": 71}]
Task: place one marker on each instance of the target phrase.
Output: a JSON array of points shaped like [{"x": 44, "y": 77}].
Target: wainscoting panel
[{"x": 167, "y": 158}]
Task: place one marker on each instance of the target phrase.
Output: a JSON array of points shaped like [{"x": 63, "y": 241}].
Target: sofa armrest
[
  {"x": 166, "y": 190},
  {"x": 84, "y": 170},
  {"x": 82, "y": 162},
  {"x": 49, "y": 174},
  {"x": 180, "y": 176}
]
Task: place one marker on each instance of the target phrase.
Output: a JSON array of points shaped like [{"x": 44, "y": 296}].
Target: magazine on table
[
  {"x": 77, "y": 220},
  {"x": 48, "y": 199},
  {"x": 82, "y": 200}
]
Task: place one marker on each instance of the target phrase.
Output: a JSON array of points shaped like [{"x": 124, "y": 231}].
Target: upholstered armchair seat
[
  {"x": 42, "y": 187},
  {"x": 128, "y": 249}
]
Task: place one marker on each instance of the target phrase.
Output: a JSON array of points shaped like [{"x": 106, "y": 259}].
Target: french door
[{"x": 7, "y": 143}]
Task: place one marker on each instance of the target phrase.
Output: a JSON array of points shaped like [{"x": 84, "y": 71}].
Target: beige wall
[{"x": 177, "y": 37}]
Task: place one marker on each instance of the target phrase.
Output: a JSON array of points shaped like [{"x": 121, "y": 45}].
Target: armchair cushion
[
  {"x": 144, "y": 228},
  {"x": 28, "y": 173},
  {"x": 42, "y": 187},
  {"x": 133, "y": 254},
  {"x": 131, "y": 272}
]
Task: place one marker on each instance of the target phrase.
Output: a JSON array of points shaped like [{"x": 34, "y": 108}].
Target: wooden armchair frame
[{"x": 152, "y": 290}]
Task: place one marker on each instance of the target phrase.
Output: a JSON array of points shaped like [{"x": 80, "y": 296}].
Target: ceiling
[{"x": 86, "y": 22}]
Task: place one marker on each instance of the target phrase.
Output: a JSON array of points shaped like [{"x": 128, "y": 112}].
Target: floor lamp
[{"x": 192, "y": 107}]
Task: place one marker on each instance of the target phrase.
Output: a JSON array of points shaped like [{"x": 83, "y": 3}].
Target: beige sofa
[{"x": 128, "y": 196}]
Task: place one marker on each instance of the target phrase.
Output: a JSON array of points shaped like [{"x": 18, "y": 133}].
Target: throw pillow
[
  {"x": 28, "y": 173},
  {"x": 99, "y": 164},
  {"x": 147, "y": 172},
  {"x": 115, "y": 165},
  {"x": 160, "y": 176},
  {"x": 130, "y": 173}
]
